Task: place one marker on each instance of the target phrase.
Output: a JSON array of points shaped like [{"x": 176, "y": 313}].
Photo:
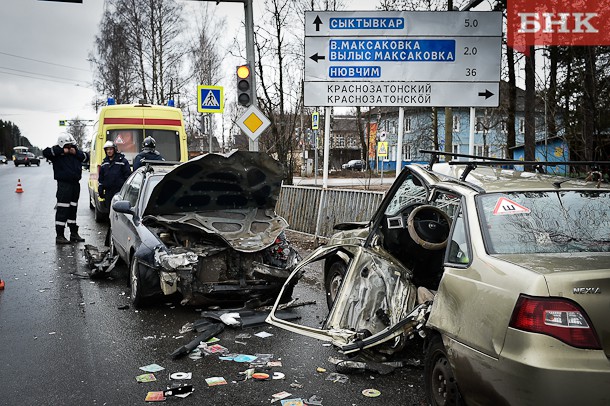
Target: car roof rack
[
  {"x": 435, "y": 153},
  {"x": 470, "y": 165},
  {"x": 489, "y": 161}
]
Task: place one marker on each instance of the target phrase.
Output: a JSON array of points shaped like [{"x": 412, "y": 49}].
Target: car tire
[
  {"x": 334, "y": 280},
  {"x": 135, "y": 283},
  {"x": 439, "y": 381},
  {"x": 99, "y": 216}
]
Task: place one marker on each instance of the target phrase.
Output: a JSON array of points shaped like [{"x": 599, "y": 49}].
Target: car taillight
[{"x": 559, "y": 318}]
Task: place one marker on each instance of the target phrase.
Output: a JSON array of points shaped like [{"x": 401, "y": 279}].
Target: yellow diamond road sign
[{"x": 253, "y": 122}]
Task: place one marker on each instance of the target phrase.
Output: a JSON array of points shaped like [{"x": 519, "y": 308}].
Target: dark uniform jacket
[
  {"x": 66, "y": 167},
  {"x": 113, "y": 173},
  {"x": 148, "y": 155}
]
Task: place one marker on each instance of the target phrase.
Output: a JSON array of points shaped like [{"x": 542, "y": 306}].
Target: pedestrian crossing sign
[
  {"x": 210, "y": 99},
  {"x": 382, "y": 149}
]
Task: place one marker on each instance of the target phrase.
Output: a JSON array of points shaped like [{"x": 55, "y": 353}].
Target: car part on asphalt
[
  {"x": 100, "y": 261},
  {"x": 204, "y": 336}
]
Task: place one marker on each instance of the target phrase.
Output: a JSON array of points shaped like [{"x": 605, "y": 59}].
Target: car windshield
[{"x": 545, "y": 222}]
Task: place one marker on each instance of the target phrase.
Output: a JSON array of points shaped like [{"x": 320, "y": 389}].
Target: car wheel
[
  {"x": 441, "y": 385},
  {"x": 135, "y": 283},
  {"x": 334, "y": 279},
  {"x": 99, "y": 216}
]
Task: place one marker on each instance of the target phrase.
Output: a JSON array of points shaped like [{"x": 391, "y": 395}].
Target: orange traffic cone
[
  {"x": 1, "y": 284},
  {"x": 19, "y": 189}
]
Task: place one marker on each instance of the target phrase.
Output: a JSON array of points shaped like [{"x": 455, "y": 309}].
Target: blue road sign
[{"x": 210, "y": 99}]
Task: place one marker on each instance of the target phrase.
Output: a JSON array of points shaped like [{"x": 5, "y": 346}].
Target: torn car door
[{"x": 376, "y": 303}]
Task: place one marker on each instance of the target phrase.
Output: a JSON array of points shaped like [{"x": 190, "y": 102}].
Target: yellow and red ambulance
[{"x": 127, "y": 125}]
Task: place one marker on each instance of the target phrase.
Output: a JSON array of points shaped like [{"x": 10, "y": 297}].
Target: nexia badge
[
  {"x": 587, "y": 291},
  {"x": 557, "y": 22}
]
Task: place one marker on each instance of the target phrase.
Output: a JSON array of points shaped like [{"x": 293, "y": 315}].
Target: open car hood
[
  {"x": 238, "y": 180},
  {"x": 232, "y": 196}
]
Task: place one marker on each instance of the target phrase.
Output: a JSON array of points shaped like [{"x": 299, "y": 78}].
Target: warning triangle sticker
[
  {"x": 506, "y": 206},
  {"x": 382, "y": 149},
  {"x": 119, "y": 140},
  {"x": 210, "y": 100}
]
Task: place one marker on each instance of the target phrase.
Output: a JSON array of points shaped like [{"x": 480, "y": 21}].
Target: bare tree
[
  {"x": 279, "y": 86},
  {"x": 530, "y": 107},
  {"x": 77, "y": 129},
  {"x": 205, "y": 64},
  {"x": 144, "y": 41},
  {"x": 114, "y": 71}
]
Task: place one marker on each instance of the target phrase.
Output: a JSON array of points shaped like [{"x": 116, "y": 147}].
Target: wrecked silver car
[
  {"x": 205, "y": 229},
  {"x": 504, "y": 274}
]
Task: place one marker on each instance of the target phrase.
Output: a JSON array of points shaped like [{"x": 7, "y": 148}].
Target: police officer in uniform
[
  {"x": 67, "y": 162},
  {"x": 114, "y": 171},
  {"x": 148, "y": 153}
]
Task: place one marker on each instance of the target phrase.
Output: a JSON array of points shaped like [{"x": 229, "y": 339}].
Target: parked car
[
  {"x": 26, "y": 159},
  {"x": 354, "y": 165},
  {"x": 205, "y": 229},
  {"x": 3, "y": 159},
  {"x": 34, "y": 160},
  {"x": 505, "y": 273}
]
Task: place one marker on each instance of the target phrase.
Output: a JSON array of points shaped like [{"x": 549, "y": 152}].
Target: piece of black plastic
[
  {"x": 208, "y": 333},
  {"x": 179, "y": 390}
]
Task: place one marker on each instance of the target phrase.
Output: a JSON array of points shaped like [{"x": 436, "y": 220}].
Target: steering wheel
[{"x": 429, "y": 227}]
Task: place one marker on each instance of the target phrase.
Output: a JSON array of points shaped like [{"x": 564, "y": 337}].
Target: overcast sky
[{"x": 44, "y": 73}]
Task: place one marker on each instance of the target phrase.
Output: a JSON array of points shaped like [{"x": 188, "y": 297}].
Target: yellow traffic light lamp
[{"x": 244, "y": 85}]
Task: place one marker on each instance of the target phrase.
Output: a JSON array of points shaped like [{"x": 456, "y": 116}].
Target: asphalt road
[{"x": 65, "y": 341}]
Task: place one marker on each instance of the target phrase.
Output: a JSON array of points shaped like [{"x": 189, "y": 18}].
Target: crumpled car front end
[
  {"x": 220, "y": 240},
  {"x": 205, "y": 268}
]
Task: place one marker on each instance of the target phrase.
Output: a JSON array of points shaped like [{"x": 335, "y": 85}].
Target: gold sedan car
[{"x": 505, "y": 275}]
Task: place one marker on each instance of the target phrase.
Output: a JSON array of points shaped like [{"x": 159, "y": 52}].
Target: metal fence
[{"x": 315, "y": 210}]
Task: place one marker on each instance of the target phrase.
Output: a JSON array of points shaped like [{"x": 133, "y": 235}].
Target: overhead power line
[
  {"x": 70, "y": 82},
  {"x": 42, "y": 74},
  {"x": 48, "y": 63}
]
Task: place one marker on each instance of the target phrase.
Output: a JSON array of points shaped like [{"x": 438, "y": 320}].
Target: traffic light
[{"x": 244, "y": 85}]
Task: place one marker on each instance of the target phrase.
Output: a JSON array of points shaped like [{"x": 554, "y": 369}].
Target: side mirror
[{"x": 122, "y": 206}]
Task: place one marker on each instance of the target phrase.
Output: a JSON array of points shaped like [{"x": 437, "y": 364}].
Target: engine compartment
[{"x": 196, "y": 263}]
